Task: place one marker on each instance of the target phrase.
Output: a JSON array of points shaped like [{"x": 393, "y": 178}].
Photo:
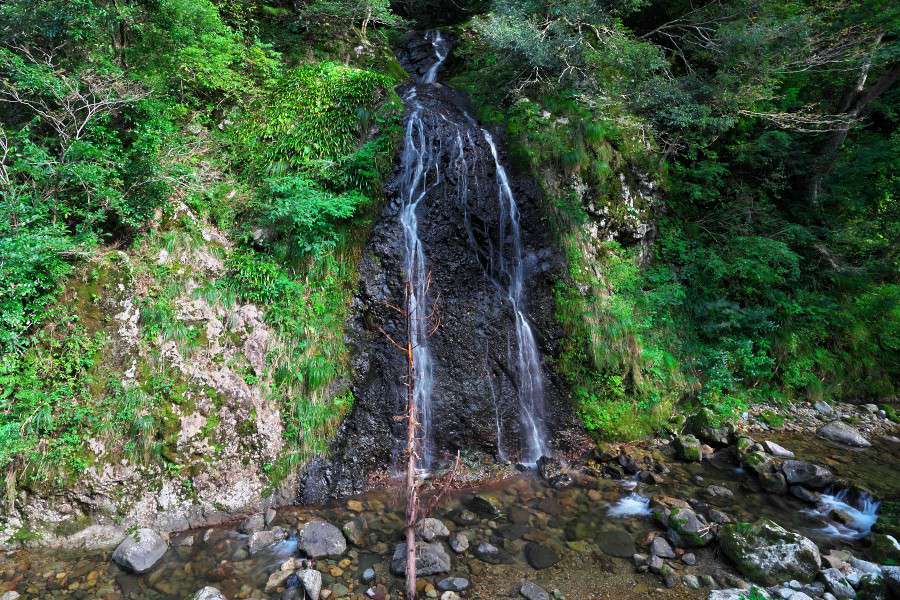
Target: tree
[{"x": 362, "y": 12}]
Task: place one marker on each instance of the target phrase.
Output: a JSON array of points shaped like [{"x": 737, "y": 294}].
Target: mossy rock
[
  {"x": 689, "y": 529},
  {"x": 885, "y": 549},
  {"x": 769, "y": 554},
  {"x": 888, "y": 518},
  {"x": 688, "y": 448},
  {"x": 743, "y": 445}
]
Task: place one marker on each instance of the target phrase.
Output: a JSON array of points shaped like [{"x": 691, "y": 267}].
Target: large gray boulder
[
  {"x": 140, "y": 551},
  {"x": 769, "y": 554},
  {"x": 806, "y": 474},
  {"x": 838, "y": 431},
  {"x": 320, "y": 539},
  {"x": 688, "y": 448},
  {"x": 431, "y": 559}
]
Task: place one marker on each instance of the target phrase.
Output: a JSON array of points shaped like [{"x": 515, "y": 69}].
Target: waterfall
[
  {"x": 425, "y": 150},
  {"x": 528, "y": 359},
  {"x": 441, "y": 50},
  {"x": 415, "y": 163}
]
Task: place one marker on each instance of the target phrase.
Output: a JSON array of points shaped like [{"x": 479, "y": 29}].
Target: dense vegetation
[
  {"x": 772, "y": 128},
  {"x": 766, "y": 130},
  {"x": 135, "y": 130}
]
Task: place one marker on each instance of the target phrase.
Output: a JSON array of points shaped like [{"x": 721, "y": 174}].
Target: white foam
[
  {"x": 861, "y": 517},
  {"x": 632, "y": 505}
]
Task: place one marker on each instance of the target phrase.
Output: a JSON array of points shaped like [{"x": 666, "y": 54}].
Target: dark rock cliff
[{"x": 460, "y": 221}]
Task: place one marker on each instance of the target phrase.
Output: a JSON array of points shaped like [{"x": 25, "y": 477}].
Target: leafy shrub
[
  {"x": 314, "y": 115},
  {"x": 304, "y": 217}
]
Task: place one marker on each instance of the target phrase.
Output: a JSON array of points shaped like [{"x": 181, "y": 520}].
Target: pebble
[
  {"x": 691, "y": 581},
  {"x": 689, "y": 559}
]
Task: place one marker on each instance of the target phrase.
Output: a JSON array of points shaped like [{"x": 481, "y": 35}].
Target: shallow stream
[{"x": 589, "y": 531}]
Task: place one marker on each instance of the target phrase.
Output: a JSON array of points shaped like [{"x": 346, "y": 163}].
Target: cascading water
[
  {"x": 528, "y": 363},
  {"x": 857, "y": 518},
  {"x": 441, "y": 50},
  {"x": 427, "y": 146},
  {"x": 415, "y": 165}
]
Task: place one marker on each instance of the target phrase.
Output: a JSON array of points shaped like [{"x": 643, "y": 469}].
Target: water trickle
[{"x": 530, "y": 390}]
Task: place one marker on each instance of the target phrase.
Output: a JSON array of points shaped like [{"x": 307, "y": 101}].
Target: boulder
[
  {"x": 311, "y": 580},
  {"x": 735, "y": 594},
  {"x": 798, "y": 491},
  {"x": 687, "y": 528},
  {"x": 891, "y": 576},
  {"x": 140, "y": 551},
  {"x": 431, "y": 559},
  {"x": 660, "y": 547},
  {"x": 769, "y": 554},
  {"x": 704, "y": 423},
  {"x": 777, "y": 450},
  {"x": 774, "y": 483},
  {"x": 96, "y": 537},
  {"x": 540, "y": 556},
  {"x": 253, "y": 523},
  {"x": 837, "y": 584},
  {"x": 806, "y": 474},
  {"x": 459, "y": 542},
  {"x": 453, "y": 584},
  {"x": 758, "y": 461},
  {"x": 616, "y": 542},
  {"x": 688, "y": 448},
  {"x": 491, "y": 554},
  {"x": 885, "y": 548},
  {"x": 486, "y": 505},
  {"x": 430, "y": 529},
  {"x": 823, "y": 407},
  {"x": 838, "y": 431},
  {"x": 209, "y": 593},
  {"x": 532, "y": 591},
  {"x": 355, "y": 530},
  {"x": 263, "y": 539},
  {"x": 320, "y": 539}
]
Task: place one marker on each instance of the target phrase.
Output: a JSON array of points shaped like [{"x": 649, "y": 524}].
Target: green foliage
[
  {"x": 187, "y": 48},
  {"x": 314, "y": 117},
  {"x": 305, "y": 218}
]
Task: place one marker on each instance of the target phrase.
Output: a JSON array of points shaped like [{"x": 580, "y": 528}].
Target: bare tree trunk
[
  {"x": 412, "y": 487},
  {"x": 365, "y": 23},
  {"x": 855, "y": 102}
]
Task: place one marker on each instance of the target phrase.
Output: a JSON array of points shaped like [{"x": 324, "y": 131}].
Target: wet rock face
[{"x": 475, "y": 403}]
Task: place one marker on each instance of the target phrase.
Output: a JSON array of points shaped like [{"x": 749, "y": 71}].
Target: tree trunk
[
  {"x": 412, "y": 488},
  {"x": 854, "y": 105}
]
